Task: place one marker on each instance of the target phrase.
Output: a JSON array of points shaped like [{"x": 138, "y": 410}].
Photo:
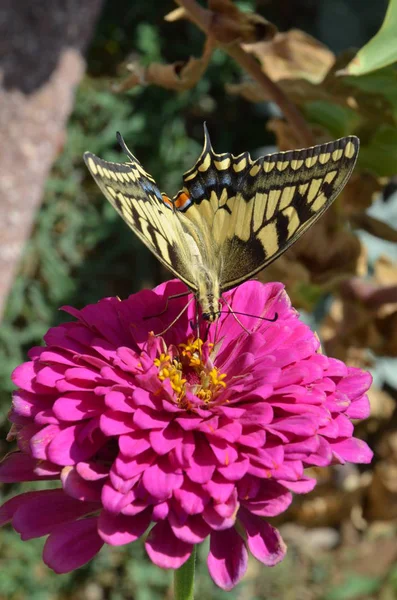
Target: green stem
[{"x": 184, "y": 579}]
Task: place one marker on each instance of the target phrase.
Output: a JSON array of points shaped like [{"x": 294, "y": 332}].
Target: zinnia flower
[{"x": 193, "y": 437}]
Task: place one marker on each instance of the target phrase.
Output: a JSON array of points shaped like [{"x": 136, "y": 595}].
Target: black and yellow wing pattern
[
  {"x": 135, "y": 196},
  {"x": 234, "y": 215},
  {"x": 256, "y": 209}
]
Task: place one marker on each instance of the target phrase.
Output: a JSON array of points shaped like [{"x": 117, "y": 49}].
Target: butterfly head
[
  {"x": 207, "y": 296},
  {"x": 210, "y": 316}
]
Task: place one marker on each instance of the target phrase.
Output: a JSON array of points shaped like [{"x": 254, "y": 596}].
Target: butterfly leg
[
  {"x": 166, "y": 305},
  {"x": 176, "y": 318},
  {"x": 197, "y": 319}
]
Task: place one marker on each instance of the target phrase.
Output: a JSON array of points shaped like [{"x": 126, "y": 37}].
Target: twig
[
  {"x": 203, "y": 18},
  {"x": 372, "y": 296}
]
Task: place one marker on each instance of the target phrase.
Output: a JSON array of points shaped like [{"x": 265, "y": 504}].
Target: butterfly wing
[
  {"x": 135, "y": 196},
  {"x": 255, "y": 210}
]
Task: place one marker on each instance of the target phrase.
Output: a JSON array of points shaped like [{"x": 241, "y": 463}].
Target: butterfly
[{"x": 233, "y": 216}]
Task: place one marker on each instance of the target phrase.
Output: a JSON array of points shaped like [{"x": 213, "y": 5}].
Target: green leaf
[
  {"x": 380, "y": 51},
  {"x": 379, "y": 156},
  {"x": 357, "y": 586},
  {"x": 382, "y": 82},
  {"x": 338, "y": 120}
]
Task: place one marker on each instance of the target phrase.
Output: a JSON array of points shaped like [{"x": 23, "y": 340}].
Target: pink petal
[
  {"x": 219, "y": 488},
  {"x": 160, "y": 480},
  {"x": 253, "y": 437},
  {"x": 41, "y": 440},
  {"x": 79, "y": 488},
  {"x": 164, "y": 440},
  {"x": 264, "y": 541},
  {"x": 359, "y": 409},
  {"x": 9, "y": 508},
  {"x": 192, "y": 498},
  {"x": 230, "y": 432},
  {"x": 49, "y": 376},
  {"x": 146, "y": 418},
  {"x": 50, "y": 508},
  {"x": 24, "y": 375},
  {"x": 118, "y": 401},
  {"x": 355, "y": 384},
  {"x": 225, "y": 453},
  {"x": 202, "y": 462},
  {"x": 129, "y": 468},
  {"x": 352, "y": 450},
  {"x": 77, "y": 406},
  {"x": 134, "y": 443},
  {"x": 27, "y": 404},
  {"x": 160, "y": 511},
  {"x": 181, "y": 455},
  {"x": 227, "y": 559},
  {"x": 193, "y": 531},
  {"x": 17, "y": 466},
  {"x": 268, "y": 506},
  {"x": 120, "y": 529},
  {"x": 216, "y": 521},
  {"x": 92, "y": 471},
  {"x": 236, "y": 470},
  {"x": 114, "y": 501},
  {"x": 164, "y": 549},
  {"x": 76, "y": 443},
  {"x": 303, "y": 486},
  {"x": 114, "y": 423},
  {"x": 72, "y": 545}
]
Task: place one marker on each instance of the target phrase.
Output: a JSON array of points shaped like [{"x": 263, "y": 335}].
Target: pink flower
[{"x": 197, "y": 438}]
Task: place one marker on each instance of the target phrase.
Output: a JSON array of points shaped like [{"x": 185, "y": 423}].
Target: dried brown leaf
[
  {"x": 330, "y": 253},
  {"x": 358, "y": 195},
  {"x": 230, "y": 24},
  {"x": 300, "y": 91},
  {"x": 293, "y": 55},
  {"x": 385, "y": 271},
  {"x": 250, "y": 90},
  {"x": 286, "y": 137},
  {"x": 382, "y": 404},
  {"x": 382, "y": 496},
  {"x": 179, "y": 76}
]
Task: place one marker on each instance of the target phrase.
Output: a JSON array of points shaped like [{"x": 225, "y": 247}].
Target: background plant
[{"x": 341, "y": 275}]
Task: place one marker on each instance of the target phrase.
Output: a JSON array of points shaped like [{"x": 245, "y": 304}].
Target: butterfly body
[{"x": 233, "y": 216}]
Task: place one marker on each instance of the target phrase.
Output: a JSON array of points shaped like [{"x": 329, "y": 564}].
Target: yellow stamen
[{"x": 189, "y": 369}]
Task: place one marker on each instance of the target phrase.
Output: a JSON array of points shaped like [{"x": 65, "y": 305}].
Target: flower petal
[
  {"x": 227, "y": 558},
  {"x": 160, "y": 480},
  {"x": 50, "y": 508},
  {"x": 264, "y": 541},
  {"x": 72, "y": 545},
  {"x": 165, "y": 549},
  {"x": 120, "y": 529},
  {"x": 17, "y": 466}
]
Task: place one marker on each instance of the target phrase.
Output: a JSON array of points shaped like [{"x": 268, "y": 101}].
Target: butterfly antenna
[
  {"x": 227, "y": 312},
  {"x": 231, "y": 311}
]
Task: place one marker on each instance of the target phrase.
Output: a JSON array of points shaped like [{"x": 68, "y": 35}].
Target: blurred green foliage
[
  {"x": 381, "y": 50},
  {"x": 81, "y": 251}
]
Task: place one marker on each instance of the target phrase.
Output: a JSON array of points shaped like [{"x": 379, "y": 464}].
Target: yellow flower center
[{"x": 187, "y": 370}]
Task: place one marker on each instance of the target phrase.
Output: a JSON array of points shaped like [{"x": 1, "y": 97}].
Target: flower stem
[{"x": 184, "y": 579}]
